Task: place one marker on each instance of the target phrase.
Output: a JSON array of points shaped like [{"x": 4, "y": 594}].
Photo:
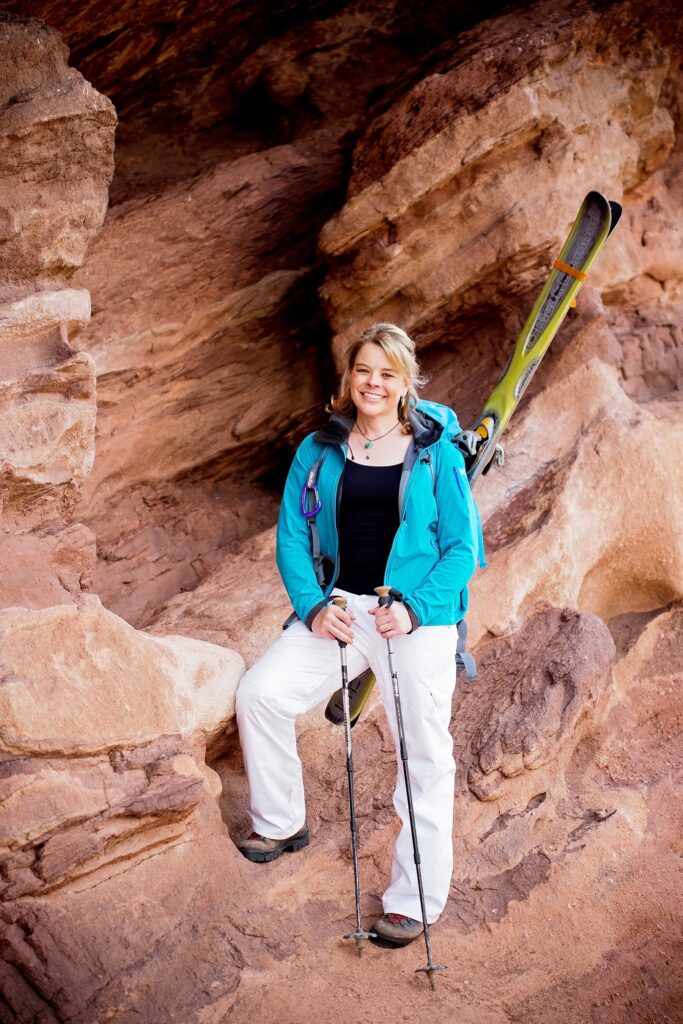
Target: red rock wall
[
  {"x": 56, "y": 155},
  {"x": 283, "y": 177},
  {"x": 469, "y": 154}
]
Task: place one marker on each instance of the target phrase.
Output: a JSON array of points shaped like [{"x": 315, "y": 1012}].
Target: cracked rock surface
[
  {"x": 283, "y": 174},
  {"x": 538, "y": 684}
]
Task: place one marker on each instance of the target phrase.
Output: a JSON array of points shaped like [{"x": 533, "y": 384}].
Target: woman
[{"x": 396, "y": 510}]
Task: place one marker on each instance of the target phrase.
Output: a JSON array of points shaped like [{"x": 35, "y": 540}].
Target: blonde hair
[{"x": 399, "y": 348}]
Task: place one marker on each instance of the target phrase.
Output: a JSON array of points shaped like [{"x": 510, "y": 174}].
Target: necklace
[{"x": 370, "y": 441}]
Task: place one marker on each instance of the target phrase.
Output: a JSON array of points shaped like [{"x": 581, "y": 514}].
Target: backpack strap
[
  {"x": 462, "y": 658},
  {"x": 310, "y": 506}
]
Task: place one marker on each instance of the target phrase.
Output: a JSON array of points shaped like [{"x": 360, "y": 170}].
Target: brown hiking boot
[
  {"x": 395, "y": 930},
  {"x": 259, "y": 848}
]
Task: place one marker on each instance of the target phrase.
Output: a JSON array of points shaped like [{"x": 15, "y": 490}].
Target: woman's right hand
[{"x": 333, "y": 623}]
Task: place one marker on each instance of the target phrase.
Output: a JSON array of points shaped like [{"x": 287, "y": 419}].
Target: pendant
[{"x": 368, "y": 444}]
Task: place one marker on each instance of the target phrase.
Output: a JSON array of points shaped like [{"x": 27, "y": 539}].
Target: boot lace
[{"x": 396, "y": 919}]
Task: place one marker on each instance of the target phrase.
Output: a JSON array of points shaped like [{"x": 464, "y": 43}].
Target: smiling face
[{"x": 376, "y": 386}]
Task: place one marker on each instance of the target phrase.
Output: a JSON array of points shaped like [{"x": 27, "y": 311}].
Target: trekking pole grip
[
  {"x": 340, "y": 602},
  {"x": 385, "y": 599}
]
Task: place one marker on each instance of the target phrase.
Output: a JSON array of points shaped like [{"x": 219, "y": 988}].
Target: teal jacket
[{"x": 438, "y": 542}]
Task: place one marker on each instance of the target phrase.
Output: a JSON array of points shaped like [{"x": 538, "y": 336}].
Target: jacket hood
[{"x": 426, "y": 430}]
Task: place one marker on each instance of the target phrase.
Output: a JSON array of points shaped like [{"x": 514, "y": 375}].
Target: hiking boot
[
  {"x": 395, "y": 930},
  {"x": 259, "y": 848}
]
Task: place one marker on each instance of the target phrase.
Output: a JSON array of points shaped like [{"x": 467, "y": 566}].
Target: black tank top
[{"x": 368, "y": 521}]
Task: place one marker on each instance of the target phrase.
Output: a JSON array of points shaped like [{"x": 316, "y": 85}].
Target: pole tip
[
  {"x": 340, "y": 602},
  {"x": 430, "y": 970},
  {"x": 382, "y": 591}
]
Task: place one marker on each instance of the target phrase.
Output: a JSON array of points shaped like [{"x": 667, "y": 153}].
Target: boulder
[
  {"x": 536, "y": 686},
  {"x": 105, "y": 683}
]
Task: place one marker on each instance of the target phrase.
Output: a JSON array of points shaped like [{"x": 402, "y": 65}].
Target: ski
[{"x": 595, "y": 221}]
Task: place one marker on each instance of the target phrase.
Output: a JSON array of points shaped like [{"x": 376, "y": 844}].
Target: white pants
[{"x": 299, "y": 671}]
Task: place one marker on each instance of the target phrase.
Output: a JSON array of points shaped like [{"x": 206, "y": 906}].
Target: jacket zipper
[
  {"x": 424, "y": 456},
  {"x": 337, "y": 503}
]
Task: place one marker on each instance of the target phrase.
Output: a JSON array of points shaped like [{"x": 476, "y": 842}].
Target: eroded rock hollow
[{"x": 199, "y": 207}]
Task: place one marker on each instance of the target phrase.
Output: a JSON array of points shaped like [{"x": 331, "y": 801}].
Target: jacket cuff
[
  {"x": 413, "y": 618},
  {"x": 313, "y": 612}
]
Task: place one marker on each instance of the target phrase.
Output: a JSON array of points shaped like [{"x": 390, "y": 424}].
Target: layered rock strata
[
  {"x": 207, "y": 329},
  {"x": 440, "y": 215},
  {"x": 220, "y": 221},
  {"x": 109, "y": 825},
  {"x": 122, "y": 893},
  {"x": 103, "y": 730},
  {"x": 138, "y": 816},
  {"x": 441, "y": 230},
  {"x": 56, "y": 155}
]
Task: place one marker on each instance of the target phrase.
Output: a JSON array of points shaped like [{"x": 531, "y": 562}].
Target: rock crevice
[{"x": 285, "y": 177}]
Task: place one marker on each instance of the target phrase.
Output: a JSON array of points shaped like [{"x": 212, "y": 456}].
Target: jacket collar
[{"x": 337, "y": 429}]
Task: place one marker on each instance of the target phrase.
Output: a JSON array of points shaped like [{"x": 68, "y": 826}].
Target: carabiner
[{"x": 317, "y": 503}]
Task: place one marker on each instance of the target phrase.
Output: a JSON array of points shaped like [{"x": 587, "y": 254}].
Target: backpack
[{"x": 310, "y": 506}]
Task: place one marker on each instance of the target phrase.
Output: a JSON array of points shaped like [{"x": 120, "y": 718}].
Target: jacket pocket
[{"x": 459, "y": 473}]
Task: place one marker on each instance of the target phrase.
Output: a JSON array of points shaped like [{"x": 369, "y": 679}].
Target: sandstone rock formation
[
  {"x": 138, "y": 686},
  {"x": 103, "y": 729},
  {"x": 241, "y": 216},
  {"x": 431, "y": 226},
  {"x": 56, "y": 154},
  {"x": 285, "y": 175},
  {"x": 557, "y": 668},
  {"x": 161, "y": 540},
  {"x": 609, "y": 462},
  {"x": 101, "y": 748},
  {"x": 177, "y": 337},
  {"x": 466, "y": 243},
  {"x": 563, "y": 904}
]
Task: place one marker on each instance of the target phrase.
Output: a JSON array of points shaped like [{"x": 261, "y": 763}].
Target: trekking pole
[
  {"x": 430, "y": 969},
  {"x": 359, "y": 935}
]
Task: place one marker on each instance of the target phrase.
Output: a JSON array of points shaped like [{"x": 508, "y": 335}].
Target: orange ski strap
[{"x": 572, "y": 271}]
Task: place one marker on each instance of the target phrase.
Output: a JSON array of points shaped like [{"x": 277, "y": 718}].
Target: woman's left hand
[{"x": 391, "y": 620}]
